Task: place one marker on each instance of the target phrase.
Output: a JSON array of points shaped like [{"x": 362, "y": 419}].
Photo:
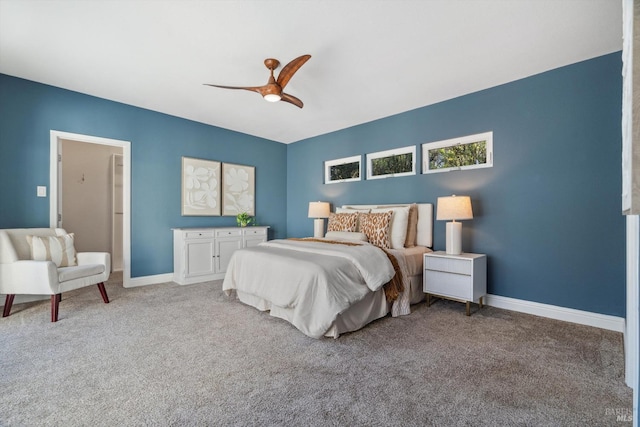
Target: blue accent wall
[
  {"x": 547, "y": 214},
  {"x": 29, "y": 111}
]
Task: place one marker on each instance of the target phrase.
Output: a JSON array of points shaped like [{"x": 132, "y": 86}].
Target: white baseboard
[
  {"x": 612, "y": 323},
  {"x": 148, "y": 280}
]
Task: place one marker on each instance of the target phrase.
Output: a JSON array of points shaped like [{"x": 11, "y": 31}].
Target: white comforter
[{"x": 316, "y": 280}]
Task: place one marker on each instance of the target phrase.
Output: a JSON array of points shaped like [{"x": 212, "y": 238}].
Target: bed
[{"x": 342, "y": 282}]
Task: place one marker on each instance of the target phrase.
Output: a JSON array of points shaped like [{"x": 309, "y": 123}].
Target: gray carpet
[{"x": 186, "y": 355}]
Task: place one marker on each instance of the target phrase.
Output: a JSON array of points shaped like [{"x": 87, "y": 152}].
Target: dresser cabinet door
[
  {"x": 199, "y": 257},
  {"x": 224, "y": 250}
]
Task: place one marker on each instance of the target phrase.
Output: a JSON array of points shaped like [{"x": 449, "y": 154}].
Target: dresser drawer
[
  {"x": 448, "y": 265},
  {"x": 255, "y": 231},
  {"x": 198, "y": 234},
  {"x": 228, "y": 233},
  {"x": 449, "y": 285}
]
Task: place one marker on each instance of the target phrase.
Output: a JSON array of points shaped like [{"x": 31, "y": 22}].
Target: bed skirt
[{"x": 373, "y": 306}]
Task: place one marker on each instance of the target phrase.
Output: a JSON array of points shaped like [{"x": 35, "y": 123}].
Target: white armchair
[{"x": 19, "y": 274}]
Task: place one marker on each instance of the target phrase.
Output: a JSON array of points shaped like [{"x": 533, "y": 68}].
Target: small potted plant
[{"x": 243, "y": 219}]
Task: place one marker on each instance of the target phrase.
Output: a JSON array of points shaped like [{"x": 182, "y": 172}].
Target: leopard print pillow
[
  {"x": 342, "y": 222},
  {"x": 376, "y": 227}
]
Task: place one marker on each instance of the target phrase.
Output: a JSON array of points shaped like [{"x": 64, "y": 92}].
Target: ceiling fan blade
[
  {"x": 251, "y": 88},
  {"x": 290, "y": 69},
  {"x": 272, "y": 91},
  {"x": 291, "y": 99}
]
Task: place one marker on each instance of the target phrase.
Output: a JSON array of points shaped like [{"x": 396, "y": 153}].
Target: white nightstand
[{"x": 459, "y": 277}]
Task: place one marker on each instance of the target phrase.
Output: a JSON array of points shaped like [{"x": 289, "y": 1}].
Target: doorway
[{"x": 75, "y": 158}]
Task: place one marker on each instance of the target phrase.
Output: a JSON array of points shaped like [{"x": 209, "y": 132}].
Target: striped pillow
[{"x": 58, "y": 249}]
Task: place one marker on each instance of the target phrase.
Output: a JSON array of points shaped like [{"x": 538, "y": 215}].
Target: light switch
[{"x": 42, "y": 191}]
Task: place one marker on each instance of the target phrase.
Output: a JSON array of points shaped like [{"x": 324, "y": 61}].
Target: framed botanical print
[
  {"x": 238, "y": 189},
  {"x": 200, "y": 187}
]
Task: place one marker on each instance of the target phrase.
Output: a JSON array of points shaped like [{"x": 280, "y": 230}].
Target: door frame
[{"x": 55, "y": 194}]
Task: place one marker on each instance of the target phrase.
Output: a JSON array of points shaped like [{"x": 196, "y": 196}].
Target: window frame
[
  {"x": 342, "y": 161},
  {"x": 388, "y": 153},
  {"x": 463, "y": 140}
]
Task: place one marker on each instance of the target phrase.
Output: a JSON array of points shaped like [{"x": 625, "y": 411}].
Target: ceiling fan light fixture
[
  {"x": 272, "y": 97},
  {"x": 273, "y": 90}
]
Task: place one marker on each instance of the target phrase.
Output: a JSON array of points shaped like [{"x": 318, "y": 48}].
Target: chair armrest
[
  {"x": 103, "y": 258},
  {"x": 28, "y": 277}
]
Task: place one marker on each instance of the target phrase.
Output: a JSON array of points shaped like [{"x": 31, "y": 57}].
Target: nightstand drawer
[
  {"x": 447, "y": 284},
  {"x": 448, "y": 265}
]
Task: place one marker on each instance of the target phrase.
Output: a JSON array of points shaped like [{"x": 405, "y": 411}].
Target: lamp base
[
  {"x": 318, "y": 228},
  {"x": 454, "y": 238}
]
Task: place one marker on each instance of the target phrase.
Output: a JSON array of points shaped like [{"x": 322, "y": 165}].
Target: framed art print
[
  {"x": 200, "y": 187},
  {"x": 238, "y": 189}
]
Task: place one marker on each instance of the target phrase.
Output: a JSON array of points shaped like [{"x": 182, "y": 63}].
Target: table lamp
[
  {"x": 454, "y": 208},
  {"x": 319, "y": 211}
]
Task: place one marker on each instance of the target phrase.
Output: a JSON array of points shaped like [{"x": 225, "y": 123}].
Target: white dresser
[
  {"x": 460, "y": 277},
  {"x": 202, "y": 254}
]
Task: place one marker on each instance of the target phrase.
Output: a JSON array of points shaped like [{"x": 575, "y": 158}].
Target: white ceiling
[{"x": 370, "y": 58}]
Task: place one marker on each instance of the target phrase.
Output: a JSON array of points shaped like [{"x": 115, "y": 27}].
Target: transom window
[
  {"x": 342, "y": 170},
  {"x": 392, "y": 163},
  {"x": 467, "y": 152}
]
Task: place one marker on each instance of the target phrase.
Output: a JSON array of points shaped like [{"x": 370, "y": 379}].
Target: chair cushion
[
  {"x": 69, "y": 273},
  {"x": 58, "y": 249}
]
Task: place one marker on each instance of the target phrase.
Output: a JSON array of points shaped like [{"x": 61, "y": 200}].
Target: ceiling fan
[{"x": 273, "y": 90}]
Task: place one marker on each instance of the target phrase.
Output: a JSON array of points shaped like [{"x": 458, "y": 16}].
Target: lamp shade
[
  {"x": 454, "y": 208},
  {"x": 319, "y": 210}
]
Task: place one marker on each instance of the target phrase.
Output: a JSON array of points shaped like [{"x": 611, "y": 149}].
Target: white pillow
[
  {"x": 351, "y": 210},
  {"x": 58, "y": 249},
  {"x": 399, "y": 222},
  {"x": 412, "y": 223},
  {"x": 346, "y": 235}
]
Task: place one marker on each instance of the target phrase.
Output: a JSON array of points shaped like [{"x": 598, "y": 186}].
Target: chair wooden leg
[
  {"x": 55, "y": 302},
  {"x": 103, "y": 292},
  {"x": 8, "y": 302}
]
